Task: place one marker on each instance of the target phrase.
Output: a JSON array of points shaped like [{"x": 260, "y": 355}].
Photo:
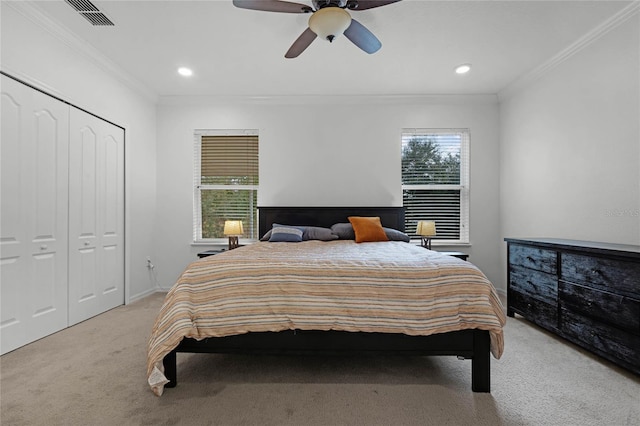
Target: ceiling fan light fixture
[{"x": 329, "y": 22}]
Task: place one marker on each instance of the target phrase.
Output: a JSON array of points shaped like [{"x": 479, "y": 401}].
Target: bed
[{"x": 329, "y": 297}]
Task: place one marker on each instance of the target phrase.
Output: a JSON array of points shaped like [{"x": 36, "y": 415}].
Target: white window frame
[
  {"x": 463, "y": 187},
  {"x": 198, "y": 187}
]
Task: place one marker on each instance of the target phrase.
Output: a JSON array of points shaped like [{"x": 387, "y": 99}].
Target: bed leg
[
  {"x": 481, "y": 363},
  {"x": 170, "y": 369}
]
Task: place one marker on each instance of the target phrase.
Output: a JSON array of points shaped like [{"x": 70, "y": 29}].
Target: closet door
[
  {"x": 96, "y": 216},
  {"x": 34, "y": 198}
]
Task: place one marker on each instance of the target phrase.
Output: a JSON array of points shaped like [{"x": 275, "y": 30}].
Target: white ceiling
[{"x": 240, "y": 52}]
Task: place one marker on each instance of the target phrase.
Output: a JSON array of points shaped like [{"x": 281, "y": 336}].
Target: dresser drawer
[
  {"x": 607, "y": 341},
  {"x": 532, "y": 283},
  {"x": 543, "y": 314},
  {"x": 614, "y": 309},
  {"x": 533, "y": 258},
  {"x": 607, "y": 274}
]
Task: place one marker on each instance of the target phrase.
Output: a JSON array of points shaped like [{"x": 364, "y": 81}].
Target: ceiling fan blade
[
  {"x": 302, "y": 42},
  {"x": 362, "y": 37},
  {"x": 273, "y": 6},
  {"x": 356, "y": 5}
]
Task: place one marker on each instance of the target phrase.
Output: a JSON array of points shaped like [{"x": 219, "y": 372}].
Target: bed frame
[{"x": 465, "y": 344}]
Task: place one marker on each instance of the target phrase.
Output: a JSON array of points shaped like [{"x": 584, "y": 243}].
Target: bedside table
[
  {"x": 210, "y": 252},
  {"x": 458, "y": 254}
]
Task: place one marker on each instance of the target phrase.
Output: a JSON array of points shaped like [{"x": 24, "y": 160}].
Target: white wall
[
  {"x": 49, "y": 60},
  {"x": 570, "y": 146},
  {"x": 323, "y": 151}
]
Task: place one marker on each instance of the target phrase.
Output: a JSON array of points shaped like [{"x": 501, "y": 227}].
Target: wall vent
[{"x": 90, "y": 12}]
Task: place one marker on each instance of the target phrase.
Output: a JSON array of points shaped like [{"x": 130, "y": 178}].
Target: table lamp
[
  {"x": 426, "y": 229},
  {"x": 233, "y": 229}
]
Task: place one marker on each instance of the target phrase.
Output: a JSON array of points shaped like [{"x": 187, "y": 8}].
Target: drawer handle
[
  {"x": 43, "y": 247},
  {"x": 531, "y": 259},
  {"x": 596, "y": 272}
]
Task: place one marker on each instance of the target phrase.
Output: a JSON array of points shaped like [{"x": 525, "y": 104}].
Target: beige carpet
[{"x": 94, "y": 374}]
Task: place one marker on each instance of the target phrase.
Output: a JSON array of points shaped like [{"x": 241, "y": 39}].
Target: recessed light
[
  {"x": 463, "y": 69},
  {"x": 185, "y": 72}
]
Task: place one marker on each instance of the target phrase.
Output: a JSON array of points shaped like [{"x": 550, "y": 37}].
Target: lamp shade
[
  {"x": 233, "y": 227},
  {"x": 329, "y": 22},
  {"x": 426, "y": 228}
]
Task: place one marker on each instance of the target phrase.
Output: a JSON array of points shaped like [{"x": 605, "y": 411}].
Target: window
[
  {"x": 225, "y": 182},
  {"x": 435, "y": 181}
]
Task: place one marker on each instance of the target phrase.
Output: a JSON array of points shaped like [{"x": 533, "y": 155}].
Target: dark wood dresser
[{"x": 586, "y": 292}]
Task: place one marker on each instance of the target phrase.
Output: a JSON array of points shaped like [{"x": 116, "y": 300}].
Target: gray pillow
[
  {"x": 318, "y": 233},
  {"x": 344, "y": 231},
  {"x": 395, "y": 235},
  {"x": 266, "y": 236},
  {"x": 284, "y": 233},
  {"x": 308, "y": 233}
]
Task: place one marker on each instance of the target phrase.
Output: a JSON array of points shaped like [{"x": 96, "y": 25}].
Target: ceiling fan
[{"x": 328, "y": 20}]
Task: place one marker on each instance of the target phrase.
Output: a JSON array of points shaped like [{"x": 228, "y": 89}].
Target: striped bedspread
[{"x": 388, "y": 287}]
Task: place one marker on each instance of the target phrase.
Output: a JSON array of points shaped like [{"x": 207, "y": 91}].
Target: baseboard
[{"x": 144, "y": 294}]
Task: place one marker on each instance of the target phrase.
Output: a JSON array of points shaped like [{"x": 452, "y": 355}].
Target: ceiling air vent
[{"x": 90, "y": 12}]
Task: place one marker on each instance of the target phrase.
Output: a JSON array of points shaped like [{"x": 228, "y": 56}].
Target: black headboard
[{"x": 390, "y": 217}]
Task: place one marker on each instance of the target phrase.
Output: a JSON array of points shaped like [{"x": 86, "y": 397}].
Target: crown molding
[
  {"x": 41, "y": 85},
  {"x": 284, "y": 100},
  {"x": 592, "y": 36},
  {"x": 62, "y": 34}
]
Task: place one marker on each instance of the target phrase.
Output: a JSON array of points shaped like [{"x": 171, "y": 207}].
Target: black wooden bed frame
[{"x": 471, "y": 344}]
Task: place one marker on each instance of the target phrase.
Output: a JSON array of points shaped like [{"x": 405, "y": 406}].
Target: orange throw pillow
[{"x": 368, "y": 229}]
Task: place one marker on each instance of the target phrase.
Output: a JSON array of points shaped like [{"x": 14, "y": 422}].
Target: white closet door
[
  {"x": 96, "y": 216},
  {"x": 33, "y": 229}
]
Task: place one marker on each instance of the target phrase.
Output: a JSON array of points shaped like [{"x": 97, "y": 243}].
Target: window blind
[
  {"x": 219, "y": 205},
  {"x": 431, "y": 158},
  {"x": 443, "y": 207},
  {"x": 229, "y": 160}
]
